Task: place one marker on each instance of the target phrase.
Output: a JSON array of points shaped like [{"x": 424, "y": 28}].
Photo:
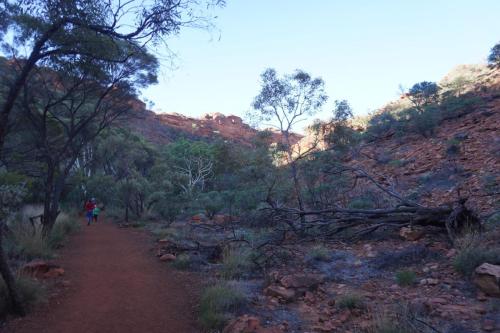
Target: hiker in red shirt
[{"x": 89, "y": 208}]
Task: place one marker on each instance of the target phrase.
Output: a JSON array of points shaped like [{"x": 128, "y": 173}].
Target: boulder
[
  {"x": 249, "y": 324},
  {"x": 168, "y": 257},
  {"x": 302, "y": 281},
  {"x": 287, "y": 295},
  {"x": 243, "y": 324},
  {"x": 53, "y": 273},
  {"x": 35, "y": 268},
  {"x": 410, "y": 234},
  {"x": 487, "y": 278}
]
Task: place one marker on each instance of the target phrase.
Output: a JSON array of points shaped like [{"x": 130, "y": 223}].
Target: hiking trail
[{"x": 115, "y": 285}]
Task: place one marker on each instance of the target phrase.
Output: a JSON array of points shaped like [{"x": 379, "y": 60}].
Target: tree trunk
[
  {"x": 53, "y": 190},
  {"x": 296, "y": 185},
  {"x": 9, "y": 280}
]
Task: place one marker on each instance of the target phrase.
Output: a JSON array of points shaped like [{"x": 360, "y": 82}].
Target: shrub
[
  {"x": 28, "y": 239},
  {"x": 30, "y": 292},
  {"x": 212, "y": 203},
  {"x": 361, "y": 203},
  {"x": 494, "y": 56},
  {"x": 216, "y": 305},
  {"x": 351, "y": 301},
  {"x": 405, "y": 278},
  {"x": 469, "y": 258},
  {"x": 453, "y": 147},
  {"x": 493, "y": 222},
  {"x": 380, "y": 124},
  {"x": 237, "y": 264},
  {"x": 319, "y": 253},
  {"x": 29, "y": 242},
  {"x": 423, "y": 92},
  {"x": 455, "y": 106},
  {"x": 65, "y": 225},
  {"x": 397, "y": 163},
  {"x": 424, "y": 122},
  {"x": 182, "y": 261}
]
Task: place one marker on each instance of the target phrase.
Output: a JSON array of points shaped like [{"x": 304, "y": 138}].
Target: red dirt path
[{"x": 115, "y": 285}]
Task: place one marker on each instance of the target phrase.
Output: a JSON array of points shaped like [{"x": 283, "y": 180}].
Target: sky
[{"x": 363, "y": 50}]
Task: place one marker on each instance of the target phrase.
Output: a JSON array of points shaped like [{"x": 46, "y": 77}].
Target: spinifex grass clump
[
  {"x": 351, "y": 302},
  {"x": 406, "y": 278},
  {"x": 217, "y": 304}
]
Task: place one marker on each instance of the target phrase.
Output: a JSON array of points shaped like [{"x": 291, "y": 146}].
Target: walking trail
[{"x": 115, "y": 285}]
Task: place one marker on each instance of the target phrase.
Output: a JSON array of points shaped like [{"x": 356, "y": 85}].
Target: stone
[
  {"x": 53, "y": 273},
  {"x": 451, "y": 253},
  {"x": 488, "y": 325},
  {"x": 243, "y": 324},
  {"x": 249, "y": 324},
  {"x": 287, "y": 295},
  {"x": 487, "y": 278},
  {"x": 429, "y": 282},
  {"x": 35, "y": 268},
  {"x": 303, "y": 280},
  {"x": 168, "y": 257},
  {"x": 411, "y": 234}
]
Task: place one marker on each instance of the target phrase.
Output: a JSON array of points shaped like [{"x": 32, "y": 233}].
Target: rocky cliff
[{"x": 163, "y": 128}]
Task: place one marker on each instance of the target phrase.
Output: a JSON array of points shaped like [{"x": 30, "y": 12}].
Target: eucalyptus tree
[
  {"x": 287, "y": 101},
  {"x": 52, "y": 33},
  {"x": 93, "y": 42}
]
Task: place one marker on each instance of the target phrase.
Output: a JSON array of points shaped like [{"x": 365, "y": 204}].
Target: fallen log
[{"x": 454, "y": 219}]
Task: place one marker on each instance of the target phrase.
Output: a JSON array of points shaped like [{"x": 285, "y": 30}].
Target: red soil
[{"x": 115, "y": 285}]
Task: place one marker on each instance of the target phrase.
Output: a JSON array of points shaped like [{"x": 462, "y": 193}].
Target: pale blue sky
[{"x": 362, "y": 49}]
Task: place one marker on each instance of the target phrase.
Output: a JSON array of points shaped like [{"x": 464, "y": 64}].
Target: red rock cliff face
[{"x": 166, "y": 127}]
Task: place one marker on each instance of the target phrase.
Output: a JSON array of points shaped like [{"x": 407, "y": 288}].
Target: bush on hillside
[
  {"x": 406, "y": 278},
  {"x": 494, "y": 56},
  {"x": 380, "y": 124},
  {"x": 423, "y": 93},
  {"x": 351, "y": 302}
]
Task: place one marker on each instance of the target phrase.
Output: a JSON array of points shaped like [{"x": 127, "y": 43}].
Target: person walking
[
  {"x": 96, "y": 212},
  {"x": 89, "y": 208}
]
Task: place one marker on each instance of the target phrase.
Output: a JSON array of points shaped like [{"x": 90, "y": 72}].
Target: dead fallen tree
[
  {"x": 335, "y": 220},
  {"x": 453, "y": 218}
]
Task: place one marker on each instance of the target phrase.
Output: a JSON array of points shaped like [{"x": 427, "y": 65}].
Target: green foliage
[
  {"x": 453, "y": 147},
  {"x": 64, "y": 226},
  {"x": 471, "y": 257},
  {"x": 364, "y": 202},
  {"x": 351, "y": 302},
  {"x": 30, "y": 292},
  {"x": 423, "y": 93},
  {"x": 319, "y": 253},
  {"x": 217, "y": 304},
  {"x": 397, "y": 163},
  {"x": 237, "y": 263},
  {"x": 380, "y": 124},
  {"x": 455, "y": 106},
  {"x": 406, "y": 278},
  {"x": 494, "y": 56},
  {"x": 28, "y": 241},
  {"x": 212, "y": 202},
  {"x": 493, "y": 222},
  {"x": 182, "y": 262}
]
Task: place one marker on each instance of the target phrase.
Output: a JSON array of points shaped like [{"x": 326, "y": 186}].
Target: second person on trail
[{"x": 96, "y": 212}]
